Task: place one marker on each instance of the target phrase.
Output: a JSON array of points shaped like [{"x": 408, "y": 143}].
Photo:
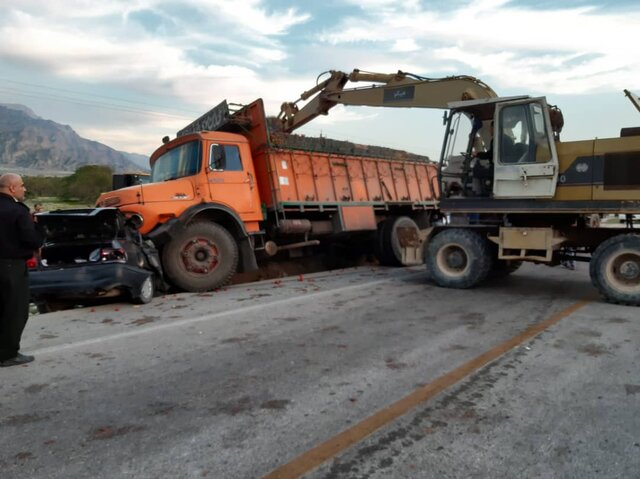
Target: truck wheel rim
[
  {"x": 623, "y": 271},
  {"x": 200, "y": 256},
  {"x": 453, "y": 260}
]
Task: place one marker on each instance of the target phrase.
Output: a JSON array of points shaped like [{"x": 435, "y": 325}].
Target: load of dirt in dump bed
[{"x": 281, "y": 139}]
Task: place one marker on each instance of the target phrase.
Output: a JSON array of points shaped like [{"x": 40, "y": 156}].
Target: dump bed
[
  {"x": 299, "y": 178},
  {"x": 292, "y": 173}
]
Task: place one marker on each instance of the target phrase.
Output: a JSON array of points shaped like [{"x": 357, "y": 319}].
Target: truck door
[
  {"x": 231, "y": 179},
  {"x": 526, "y": 162}
]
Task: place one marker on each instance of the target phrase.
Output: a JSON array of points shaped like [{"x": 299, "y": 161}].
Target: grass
[{"x": 53, "y": 203}]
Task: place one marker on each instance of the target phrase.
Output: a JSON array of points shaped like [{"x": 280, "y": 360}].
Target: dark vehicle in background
[
  {"x": 89, "y": 255},
  {"x": 124, "y": 180}
]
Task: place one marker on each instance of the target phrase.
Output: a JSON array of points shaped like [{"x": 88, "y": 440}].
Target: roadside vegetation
[{"x": 79, "y": 190}]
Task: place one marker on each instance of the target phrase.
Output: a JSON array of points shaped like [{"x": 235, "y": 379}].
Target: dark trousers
[{"x": 14, "y": 305}]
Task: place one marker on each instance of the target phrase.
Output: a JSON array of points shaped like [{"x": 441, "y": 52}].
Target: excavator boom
[{"x": 400, "y": 90}]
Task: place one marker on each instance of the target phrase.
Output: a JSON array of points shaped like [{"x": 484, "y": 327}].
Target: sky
[{"x": 128, "y": 72}]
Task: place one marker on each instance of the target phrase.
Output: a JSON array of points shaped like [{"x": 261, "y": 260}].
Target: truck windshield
[{"x": 181, "y": 161}]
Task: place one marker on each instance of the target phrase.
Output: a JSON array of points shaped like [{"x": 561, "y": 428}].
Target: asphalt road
[{"x": 358, "y": 373}]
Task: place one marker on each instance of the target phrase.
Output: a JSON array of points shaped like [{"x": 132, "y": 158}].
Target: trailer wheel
[
  {"x": 202, "y": 257},
  {"x": 458, "y": 258},
  {"x": 615, "y": 269},
  {"x": 388, "y": 249}
]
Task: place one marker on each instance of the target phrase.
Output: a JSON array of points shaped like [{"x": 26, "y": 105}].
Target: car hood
[{"x": 81, "y": 224}]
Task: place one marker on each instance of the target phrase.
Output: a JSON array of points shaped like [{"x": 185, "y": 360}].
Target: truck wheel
[
  {"x": 388, "y": 249},
  {"x": 458, "y": 258},
  {"x": 202, "y": 257},
  {"x": 615, "y": 269},
  {"x": 146, "y": 291}
]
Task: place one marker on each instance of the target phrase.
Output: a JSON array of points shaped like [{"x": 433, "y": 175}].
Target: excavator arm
[
  {"x": 400, "y": 90},
  {"x": 633, "y": 98}
]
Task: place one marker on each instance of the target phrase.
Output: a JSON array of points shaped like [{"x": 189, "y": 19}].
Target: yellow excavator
[{"x": 510, "y": 189}]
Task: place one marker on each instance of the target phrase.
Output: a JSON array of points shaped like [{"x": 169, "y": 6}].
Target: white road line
[{"x": 190, "y": 321}]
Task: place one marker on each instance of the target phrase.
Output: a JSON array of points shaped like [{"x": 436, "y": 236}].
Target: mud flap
[{"x": 412, "y": 243}]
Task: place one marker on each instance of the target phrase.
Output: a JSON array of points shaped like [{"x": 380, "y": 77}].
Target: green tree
[
  {"x": 87, "y": 183},
  {"x": 43, "y": 186}
]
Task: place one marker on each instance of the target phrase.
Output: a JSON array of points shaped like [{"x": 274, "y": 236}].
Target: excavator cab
[{"x": 499, "y": 148}]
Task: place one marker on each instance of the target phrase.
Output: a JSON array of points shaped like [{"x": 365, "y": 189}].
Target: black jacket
[{"x": 19, "y": 237}]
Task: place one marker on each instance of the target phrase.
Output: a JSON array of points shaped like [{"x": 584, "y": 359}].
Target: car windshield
[{"x": 181, "y": 161}]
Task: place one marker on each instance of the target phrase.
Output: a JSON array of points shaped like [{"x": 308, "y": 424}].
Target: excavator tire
[
  {"x": 458, "y": 258},
  {"x": 201, "y": 257},
  {"x": 388, "y": 249},
  {"x": 615, "y": 269}
]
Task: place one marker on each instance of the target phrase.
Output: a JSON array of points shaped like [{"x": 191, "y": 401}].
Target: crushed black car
[{"x": 89, "y": 255}]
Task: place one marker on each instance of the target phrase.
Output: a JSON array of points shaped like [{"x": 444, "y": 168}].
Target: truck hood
[
  {"x": 180, "y": 189},
  {"x": 170, "y": 190},
  {"x": 81, "y": 224}
]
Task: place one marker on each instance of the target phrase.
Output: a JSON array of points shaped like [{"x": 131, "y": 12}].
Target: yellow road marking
[{"x": 333, "y": 446}]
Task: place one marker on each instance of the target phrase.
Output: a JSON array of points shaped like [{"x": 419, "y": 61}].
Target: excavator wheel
[
  {"x": 388, "y": 247},
  {"x": 458, "y": 258},
  {"x": 615, "y": 269},
  {"x": 201, "y": 257}
]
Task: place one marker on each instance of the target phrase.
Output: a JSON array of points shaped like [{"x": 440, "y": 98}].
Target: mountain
[
  {"x": 141, "y": 160},
  {"x": 30, "y": 145}
]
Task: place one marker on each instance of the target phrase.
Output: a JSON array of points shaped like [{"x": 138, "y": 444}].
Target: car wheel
[
  {"x": 146, "y": 291},
  {"x": 458, "y": 258},
  {"x": 615, "y": 269},
  {"x": 202, "y": 257}
]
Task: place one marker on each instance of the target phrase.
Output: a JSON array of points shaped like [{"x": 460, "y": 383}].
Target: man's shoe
[{"x": 16, "y": 361}]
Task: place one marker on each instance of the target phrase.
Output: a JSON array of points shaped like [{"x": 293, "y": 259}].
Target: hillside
[{"x": 32, "y": 145}]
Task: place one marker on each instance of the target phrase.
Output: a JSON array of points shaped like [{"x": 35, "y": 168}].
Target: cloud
[
  {"x": 519, "y": 46},
  {"x": 341, "y": 114},
  {"x": 405, "y": 45},
  {"x": 115, "y": 40},
  {"x": 194, "y": 53},
  {"x": 251, "y": 15}
]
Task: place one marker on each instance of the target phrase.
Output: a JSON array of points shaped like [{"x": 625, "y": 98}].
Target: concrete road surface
[{"x": 358, "y": 373}]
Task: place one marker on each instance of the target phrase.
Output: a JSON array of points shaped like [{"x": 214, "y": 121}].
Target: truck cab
[{"x": 201, "y": 207}]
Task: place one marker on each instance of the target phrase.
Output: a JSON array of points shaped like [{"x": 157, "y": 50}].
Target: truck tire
[
  {"x": 615, "y": 269},
  {"x": 202, "y": 257},
  {"x": 458, "y": 258},
  {"x": 388, "y": 249}
]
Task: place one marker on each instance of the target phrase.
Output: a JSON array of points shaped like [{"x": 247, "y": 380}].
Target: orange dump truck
[{"x": 227, "y": 192}]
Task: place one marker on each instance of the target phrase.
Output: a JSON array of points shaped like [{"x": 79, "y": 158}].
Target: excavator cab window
[
  {"x": 523, "y": 136},
  {"x": 464, "y": 172},
  {"x": 514, "y": 135}
]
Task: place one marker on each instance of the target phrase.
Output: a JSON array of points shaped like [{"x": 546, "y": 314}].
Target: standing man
[{"x": 18, "y": 241}]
